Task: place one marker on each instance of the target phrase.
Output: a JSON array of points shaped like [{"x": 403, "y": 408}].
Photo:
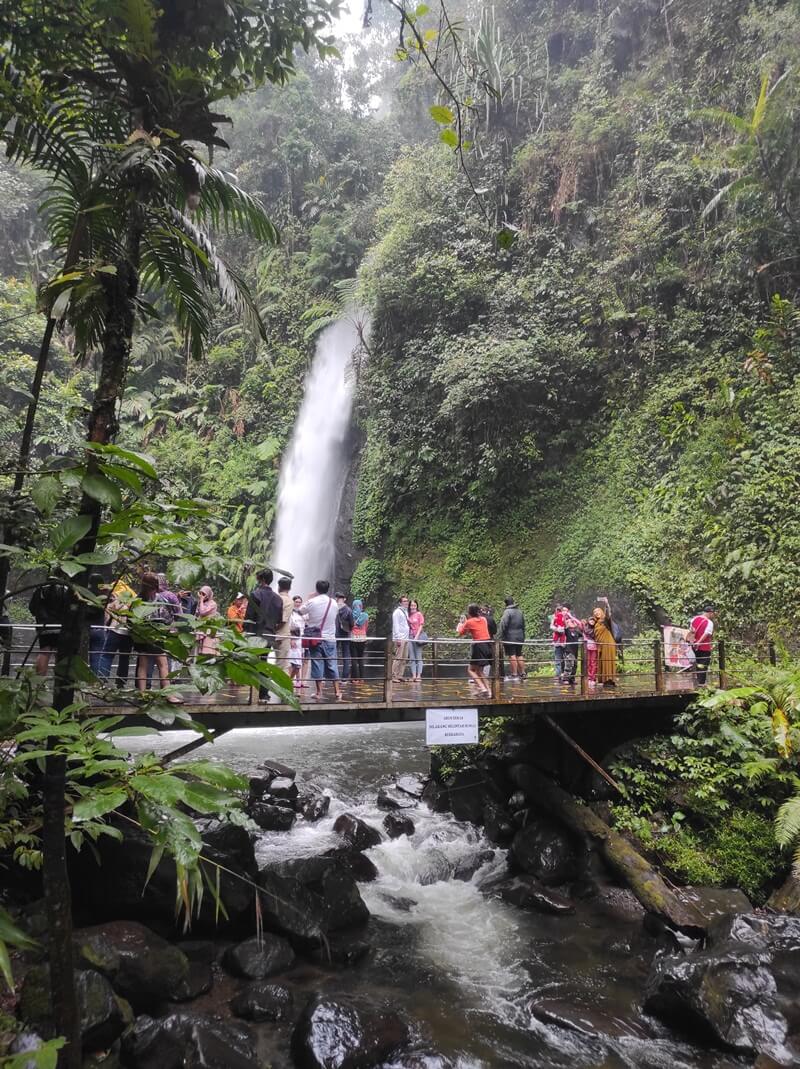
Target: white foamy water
[{"x": 314, "y": 467}]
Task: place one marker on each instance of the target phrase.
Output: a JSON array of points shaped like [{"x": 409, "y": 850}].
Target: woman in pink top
[{"x": 416, "y": 622}]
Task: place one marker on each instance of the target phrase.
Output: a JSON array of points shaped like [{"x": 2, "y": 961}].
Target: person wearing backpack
[
  {"x": 49, "y": 605},
  {"x": 264, "y": 616},
  {"x": 149, "y": 654},
  {"x": 344, "y": 629}
]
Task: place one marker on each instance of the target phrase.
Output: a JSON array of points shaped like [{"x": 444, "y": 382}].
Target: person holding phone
[{"x": 476, "y": 626}]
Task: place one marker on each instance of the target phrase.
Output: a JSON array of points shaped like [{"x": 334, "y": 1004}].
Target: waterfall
[{"x": 314, "y": 467}]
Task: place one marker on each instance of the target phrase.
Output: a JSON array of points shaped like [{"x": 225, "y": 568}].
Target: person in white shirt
[
  {"x": 400, "y": 633},
  {"x": 320, "y": 616},
  {"x": 297, "y": 625}
]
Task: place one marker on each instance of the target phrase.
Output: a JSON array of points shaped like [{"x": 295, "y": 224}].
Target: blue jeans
[
  {"x": 415, "y": 658},
  {"x": 323, "y": 661},
  {"x": 115, "y": 643},
  {"x": 558, "y": 656}
]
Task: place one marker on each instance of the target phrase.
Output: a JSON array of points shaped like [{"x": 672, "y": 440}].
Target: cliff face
[{"x": 610, "y": 405}]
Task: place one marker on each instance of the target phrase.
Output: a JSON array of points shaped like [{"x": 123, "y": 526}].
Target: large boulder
[
  {"x": 322, "y": 888},
  {"x": 274, "y": 769},
  {"x": 257, "y": 958},
  {"x": 141, "y": 966},
  {"x": 528, "y": 893},
  {"x": 355, "y": 832},
  {"x": 412, "y": 785},
  {"x": 284, "y": 788},
  {"x": 261, "y": 1001},
  {"x": 357, "y": 864},
  {"x": 342, "y": 902},
  {"x": 271, "y": 817},
  {"x": 102, "y": 1014},
  {"x": 397, "y": 824},
  {"x": 340, "y": 1034},
  {"x": 115, "y": 884},
  {"x": 469, "y": 792},
  {"x": 545, "y": 850},
  {"x": 188, "y": 1041},
  {"x": 498, "y": 826},
  {"x": 289, "y": 908},
  {"x": 433, "y": 866},
  {"x": 738, "y": 992}
]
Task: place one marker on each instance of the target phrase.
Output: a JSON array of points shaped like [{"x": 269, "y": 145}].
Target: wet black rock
[
  {"x": 259, "y": 788},
  {"x": 141, "y": 966},
  {"x": 412, "y": 785},
  {"x": 528, "y": 893},
  {"x": 103, "y": 1016},
  {"x": 714, "y": 903},
  {"x": 255, "y": 959},
  {"x": 355, "y": 832},
  {"x": 397, "y": 824},
  {"x": 285, "y": 788},
  {"x": 436, "y": 796},
  {"x": 313, "y": 805},
  {"x": 390, "y": 798},
  {"x": 545, "y": 850},
  {"x": 340, "y": 1034},
  {"x": 469, "y": 792},
  {"x": 291, "y": 909},
  {"x": 188, "y": 1041},
  {"x": 405, "y": 905},
  {"x": 343, "y": 906},
  {"x": 274, "y": 770},
  {"x": 517, "y": 801},
  {"x": 357, "y": 864},
  {"x": 498, "y": 826},
  {"x": 260, "y": 1001},
  {"x": 119, "y": 887},
  {"x": 271, "y": 817},
  {"x": 737, "y": 992}
]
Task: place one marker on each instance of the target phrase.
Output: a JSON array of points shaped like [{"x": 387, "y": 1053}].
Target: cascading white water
[{"x": 314, "y": 468}]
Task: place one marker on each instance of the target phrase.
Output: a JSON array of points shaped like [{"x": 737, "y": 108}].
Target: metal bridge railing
[{"x": 639, "y": 667}]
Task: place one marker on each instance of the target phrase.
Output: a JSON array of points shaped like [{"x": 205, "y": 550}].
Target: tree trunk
[
  {"x": 121, "y": 292},
  {"x": 617, "y": 852},
  {"x": 7, "y": 535}
]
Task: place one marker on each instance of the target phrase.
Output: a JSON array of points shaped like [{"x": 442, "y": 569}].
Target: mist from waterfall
[{"x": 314, "y": 467}]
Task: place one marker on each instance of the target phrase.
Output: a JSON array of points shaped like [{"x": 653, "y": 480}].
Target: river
[{"x": 465, "y": 966}]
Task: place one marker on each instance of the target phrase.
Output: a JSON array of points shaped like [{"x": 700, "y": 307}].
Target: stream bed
[{"x": 466, "y": 968}]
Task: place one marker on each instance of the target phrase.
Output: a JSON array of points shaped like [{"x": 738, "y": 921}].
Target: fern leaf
[{"x": 787, "y": 822}]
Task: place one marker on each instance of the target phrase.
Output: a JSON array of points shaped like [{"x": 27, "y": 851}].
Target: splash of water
[{"x": 314, "y": 468}]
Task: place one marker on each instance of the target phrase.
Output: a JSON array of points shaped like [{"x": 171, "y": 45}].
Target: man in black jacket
[
  {"x": 512, "y": 635},
  {"x": 344, "y": 628},
  {"x": 264, "y": 615}
]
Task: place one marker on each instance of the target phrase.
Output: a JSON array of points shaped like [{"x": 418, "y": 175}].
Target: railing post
[
  {"x": 434, "y": 658},
  {"x": 584, "y": 669},
  {"x": 773, "y": 657},
  {"x": 723, "y": 675},
  {"x": 658, "y": 664},
  {"x": 497, "y": 683},
  {"x": 387, "y": 671}
]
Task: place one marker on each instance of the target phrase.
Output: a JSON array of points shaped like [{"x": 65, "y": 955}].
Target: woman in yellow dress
[{"x": 606, "y": 646}]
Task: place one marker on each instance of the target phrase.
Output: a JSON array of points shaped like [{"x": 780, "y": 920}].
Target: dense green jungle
[
  {"x": 605, "y": 401},
  {"x": 568, "y": 231}
]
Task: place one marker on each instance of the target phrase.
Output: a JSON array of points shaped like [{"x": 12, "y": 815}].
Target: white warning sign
[{"x": 451, "y": 727}]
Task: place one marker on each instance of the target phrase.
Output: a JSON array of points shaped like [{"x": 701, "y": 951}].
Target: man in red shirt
[{"x": 701, "y": 630}]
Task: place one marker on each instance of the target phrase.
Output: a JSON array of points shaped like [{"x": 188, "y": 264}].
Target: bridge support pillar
[{"x": 658, "y": 663}]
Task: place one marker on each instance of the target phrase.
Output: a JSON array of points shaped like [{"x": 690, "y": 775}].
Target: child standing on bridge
[{"x": 476, "y": 626}]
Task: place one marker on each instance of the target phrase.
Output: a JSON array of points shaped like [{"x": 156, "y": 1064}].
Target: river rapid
[{"x": 466, "y": 967}]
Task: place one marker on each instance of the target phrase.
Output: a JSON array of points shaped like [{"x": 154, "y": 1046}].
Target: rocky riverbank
[{"x": 412, "y": 923}]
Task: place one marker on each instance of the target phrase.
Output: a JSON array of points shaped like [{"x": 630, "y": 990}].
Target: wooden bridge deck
[{"x": 366, "y": 703}]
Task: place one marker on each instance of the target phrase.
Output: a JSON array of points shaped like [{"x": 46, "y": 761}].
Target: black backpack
[{"x": 49, "y": 603}]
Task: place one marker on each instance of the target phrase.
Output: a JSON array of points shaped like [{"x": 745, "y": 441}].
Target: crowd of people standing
[{"x": 322, "y": 637}]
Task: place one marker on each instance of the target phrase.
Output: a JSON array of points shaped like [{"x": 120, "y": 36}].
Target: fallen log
[{"x": 616, "y": 851}]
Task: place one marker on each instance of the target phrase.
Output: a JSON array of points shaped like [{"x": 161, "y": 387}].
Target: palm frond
[
  {"x": 787, "y": 822},
  {"x": 225, "y": 205}
]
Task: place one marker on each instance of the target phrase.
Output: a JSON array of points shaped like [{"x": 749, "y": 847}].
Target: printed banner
[{"x": 678, "y": 654}]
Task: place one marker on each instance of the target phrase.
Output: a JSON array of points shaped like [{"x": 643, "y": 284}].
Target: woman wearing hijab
[
  {"x": 606, "y": 644},
  {"x": 206, "y": 608},
  {"x": 358, "y": 640}
]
